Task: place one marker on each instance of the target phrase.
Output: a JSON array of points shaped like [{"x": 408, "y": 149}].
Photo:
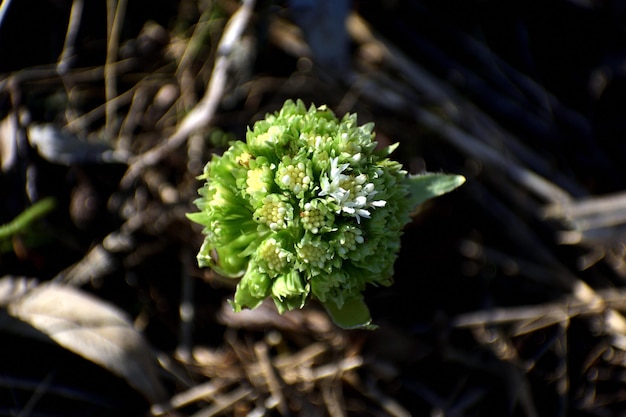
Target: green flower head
[{"x": 308, "y": 207}]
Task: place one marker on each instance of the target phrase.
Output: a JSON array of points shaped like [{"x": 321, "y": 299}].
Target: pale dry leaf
[
  {"x": 12, "y": 288},
  {"x": 93, "y": 329},
  {"x": 8, "y": 146},
  {"x": 65, "y": 148}
]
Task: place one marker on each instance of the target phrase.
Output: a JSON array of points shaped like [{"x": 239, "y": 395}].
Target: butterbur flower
[{"x": 308, "y": 207}]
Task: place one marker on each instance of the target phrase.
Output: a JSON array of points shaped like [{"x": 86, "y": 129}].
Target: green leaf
[
  {"x": 25, "y": 225},
  {"x": 199, "y": 217},
  {"x": 252, "y": 289},
  {"x": 426, "y": 186},
  {"x": 354, "y": 314},
  {"x": 27, "y": 217}
]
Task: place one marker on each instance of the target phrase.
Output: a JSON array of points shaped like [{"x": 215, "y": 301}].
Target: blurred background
[{"x": 509, "y": 294}]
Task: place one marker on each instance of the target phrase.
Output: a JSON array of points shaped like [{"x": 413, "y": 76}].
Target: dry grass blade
[
  {"x": 225, "y": 401},
  {"x": 80, "y": 123},
  {"x": 335, "y": 370},
  {"x": 73, "y": 26},
  {"x": 333, "y": 399},
  {"x": 277, "y": 396},
  {"x": 571, "y": 306},
  {"x": 41, "y": 389},
  {"x": 597, "y": 224},
  {"x": 116, "y": 11},
  {"x": 600, "y": 211},
  {"x": 203, "y": 391}
]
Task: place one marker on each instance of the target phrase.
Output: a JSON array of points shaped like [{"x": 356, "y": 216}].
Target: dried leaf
[
  {"x": 93, "y": 329},
  {"x": 8, "y": 147},
  {"x": 12, "y": 288},
  {"x": 64, "y": 148}
]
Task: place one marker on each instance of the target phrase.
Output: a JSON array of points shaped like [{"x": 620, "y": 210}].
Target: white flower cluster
[{"x": 353, "y": 194}]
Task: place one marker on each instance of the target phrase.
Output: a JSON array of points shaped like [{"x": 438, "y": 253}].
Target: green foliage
[
  {"x": 23, "y": 223},
  {"x": 308, "y": 207}
]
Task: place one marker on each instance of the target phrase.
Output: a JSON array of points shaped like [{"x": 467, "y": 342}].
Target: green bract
[{"x": 308, "y": 207}]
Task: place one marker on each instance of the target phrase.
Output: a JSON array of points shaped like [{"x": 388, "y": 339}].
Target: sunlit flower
[
  {"x": 308, "y": 208},
  {"x": 274, "y": 211}
]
